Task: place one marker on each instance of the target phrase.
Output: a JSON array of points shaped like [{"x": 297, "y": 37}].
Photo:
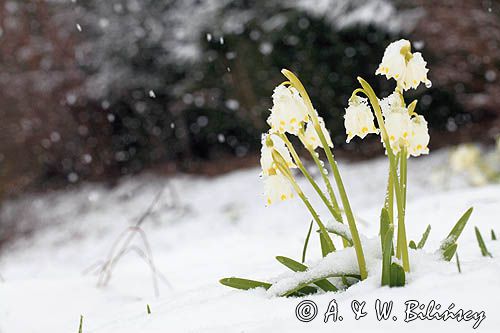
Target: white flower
[
  {"x": 393, "y": 63},
  {"x": 464, "y": 157},
  {"x": 419, "y": 137},
  {"x": 407, "y": 68},
  {"x": 277, "y": 188},
  {"x": 358, "y": 119},
  {"x": 398, "y": 126},
  {"x": 416, "y": 72},
  {"x": 289, "y": 110},
  {"x": 392, "y": 103},
  {"x": 311, "y": 137},
  {"x": 272, "y": 142}
]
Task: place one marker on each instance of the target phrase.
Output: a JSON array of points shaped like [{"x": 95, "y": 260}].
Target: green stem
[
  {"x": 402, "y": 242},
  {"x": 324, "y": 175},
  {"x": 336, "y": 213},
  {"x": 368, "y": 91},
  {"x": 389, "y": 198},
  {"x": 286, "y": 172},
  {"x": 336, "y": 174}
]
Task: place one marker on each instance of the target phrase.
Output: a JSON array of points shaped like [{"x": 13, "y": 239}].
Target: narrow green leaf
[
  {"x": 295, "y": 266},
  {"x": 482, "y": 245},
  {"x": 80, "y": 327},
  {"x": 304, "y": 250},
  {"x": 148, "y": 309},
  {"x": 387, "y": 249},
  {"x": 397, "y": 275},
  {"x": 244, "y": 284},
  {"x": 324, "y": 245},
  {"x": 458, "y": 262},
  {"x": 304, "y": 291},
  {"x": 449, "y": 245},
  {"x": 384, "y": 225},
  {"x": 423, "y": 240},
  {"x": 449, "y": 252},
  {"x": 412, "y": 245},
  {"x": 493, "y": 236},
  {"x": 298, "y": 287},
  {"x": 292, "y": 264},
  {"x": 459, "y": 226}
]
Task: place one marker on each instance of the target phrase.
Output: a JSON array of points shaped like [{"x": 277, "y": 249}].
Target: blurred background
[{"x": 92, "y": 90}]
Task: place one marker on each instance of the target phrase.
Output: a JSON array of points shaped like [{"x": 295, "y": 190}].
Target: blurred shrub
[{"x": 155, "y": 81}]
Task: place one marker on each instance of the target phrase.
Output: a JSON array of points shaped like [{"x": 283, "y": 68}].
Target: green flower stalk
[{"x": 336, "y": 174}]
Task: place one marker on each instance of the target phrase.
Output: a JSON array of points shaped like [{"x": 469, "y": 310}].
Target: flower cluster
[
  {"x": 289, "y": 115},
  {"x": 408, "y": 69},
  {"x": 403, "y": 132},
  {"x": 405, "y": 129}
]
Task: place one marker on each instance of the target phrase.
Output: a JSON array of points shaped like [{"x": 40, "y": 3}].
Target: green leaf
[
  {"x": 458, "y": 262},
  {"x": 324, "y": 245},
  {"x": 493, "y": 236},
  {"x": 298, "y": 287},
  {"x": 295, "y": 266},
  {"x": 244, "y": 284},
  {"x": 449, "y": 245},
  {"x": 482, "y": 245},
  {"x": 304, "y": 291},
  {"x": 422, "y": 241},
  {"x": 80, "y": 327},
  {"x": 384, "y": 225},
  {"x": 412, "y": 245},
  {"x": 304, "y": 250},
  {"x": 397, "y": 275},
  {"x": 449, "y": 252},
  {"x": 387, "y": 249}
]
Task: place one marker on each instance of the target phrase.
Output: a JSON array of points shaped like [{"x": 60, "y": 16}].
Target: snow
[{"x": 204, "y": 229}]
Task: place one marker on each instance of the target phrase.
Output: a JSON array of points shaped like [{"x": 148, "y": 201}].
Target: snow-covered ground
[{"x": 220, "y": 228}]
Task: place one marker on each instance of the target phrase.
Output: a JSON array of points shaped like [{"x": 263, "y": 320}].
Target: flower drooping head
[
  {"x": 398, "y": 126},
  {"x": 358, "y": 119},
  {"x": 289, "y": 110},
  {"x": 408, "y": 69},
  {"x": 419, "y": 138},
  {"x": 277, "y": 188},
  {"x": 311, "y": 137}
]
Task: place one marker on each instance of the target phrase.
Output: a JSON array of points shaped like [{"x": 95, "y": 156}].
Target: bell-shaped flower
[
  {"x": 392, "y": 103},
  {"x": 311, "y": 137},
  {"x": 277, "y": 188},
  {"x": 416, "y": 72},
  {"x": 393, "y": 64},
  {"x": 408, "y": 69},
  {"x": 272, "y": 142},
  {"x": 358, "y": 119},
  {"x": 419, "y": 137},
  {"x": 289, "y": 110},
  {"x": 398, "y": 126}
]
